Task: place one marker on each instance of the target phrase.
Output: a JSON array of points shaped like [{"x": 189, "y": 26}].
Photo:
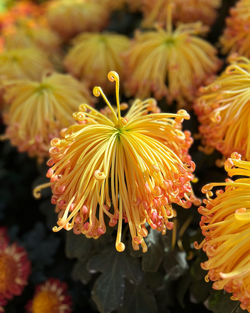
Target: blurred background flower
[
  {"x": 93, "y": 55},
  {"x": 51, "y": 296},
  {"x": 39, "y": 110},
  {"x": 14, "y": 268}
]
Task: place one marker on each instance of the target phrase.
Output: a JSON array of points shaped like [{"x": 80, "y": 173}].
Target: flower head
[
  {"x": 28, "y": 34},
  {"x": 71, "y": 17},
  {"x": 27, "y": 63},
  {"x": 225, "y": 223},
  {"x": 223, "y": 110},
  {"x": 50, "y": 297},
  {"x": 94, "y": 54},
  {"x": 191, "y": 11},
  {"x": 129, "y": 168},
  {"x": 14, "y": 268},
  {"x": 22, "y": 9},
  {"x": 39, "y": 110},
  {"x": 169, "y": 63},
  {"x": 236, "y": 36}
]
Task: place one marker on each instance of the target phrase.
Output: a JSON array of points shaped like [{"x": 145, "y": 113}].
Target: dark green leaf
[
  {"x": 153, "y": 258},
  {"x": 80, "y": 272},
  {"x": 77, "y": 246},
  {"x": 175, "y": 264},
  {"x": 108, "y": 291},
  {"x": 220, "y": 302},
  {"x": 138, "y": 299}
]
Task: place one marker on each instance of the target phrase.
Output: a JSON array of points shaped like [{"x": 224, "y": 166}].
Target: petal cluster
[
  {"x": 50, "y": 297},
  {"x": 192, "y": 11},
  {"x": 14, "y": 269},
  {"x": 171, "y": 64},
  {"x": 39, "y": 110},
  {"x": 93, "y": 55},
  {"x": 27, "y": 63},
  {"x": 236, "y": 36},
  {"x": 129, "y": 169},
  {"x": 78, "y": 15},
  {"x": 225, "y": 223},
  {"x": 223, "y": 110},
  {"x": 29, "y": 33}
]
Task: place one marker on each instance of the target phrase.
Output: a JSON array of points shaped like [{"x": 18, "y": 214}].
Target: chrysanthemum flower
[
  {"x": 94, "y": 55},
  {"x": 14, "y": 269},
  {"x": 28, "y": 34},
  {"x": 50, "y": 297},
  {"x": 169, "y": 63},
  {"x": 128, "y": 168},
  {"x": 27, "y": 63},
  {"x": 71, "y": 17},
  {"x": 39, "y": 110},
  {"x": 225, "y": 223},
  {"x": 223, "y": 110},
  {"x": 185, "y": 12},
  {"x": 236, "y": 36},
  {"x": 21, "y": 10}
]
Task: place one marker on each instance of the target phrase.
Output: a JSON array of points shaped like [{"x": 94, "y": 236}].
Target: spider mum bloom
[
  {"x": 71, "y": 17},
  {"x": 192, "y": 11},
  {"x": 51, "y": 296},
  {"x": 171, "y": 64},
  {"x": 28, "y": 34},
  {"x": 236, "y": 36},
  {"x": 128, "y": 168},
  {"x": 223, "y": 110},
  {"x": 27, "y": 63},
  {"x": 94, "y": 55},
  {"x": 39, "y": 110},
  {"x": 14, "y": 269},
  {"x": 225, "y": 223}
]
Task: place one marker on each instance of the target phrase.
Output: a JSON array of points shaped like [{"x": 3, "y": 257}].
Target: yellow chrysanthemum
[
  {"x": 236, "y": 36},
  {"x": 50, "y": 297},
  {"x": 226, "y": 226},
  {"x": 25, "y": 63},
  {"x": 39, "y": 110},
  {"x": 28, "y": 34},
  {"x": 94, "y": 54},
  {"x": 223, "y": 110},
  {"x": 188, "y": 12},
  {"x": 128, "y": 168},
  {"x": 169, "y": 63},
  {"x": 70, "y": 17}
]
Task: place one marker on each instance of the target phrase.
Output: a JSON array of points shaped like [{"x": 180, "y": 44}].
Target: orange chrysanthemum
[
  {"x": 71, "y": 17},
  {"x": 39, "y": 110},
  {"x": 25, "y": 63},
  {"x": 95, "y": 54},
  {"x": 225, "y": 223},
  {"x": 50, "y": 297},
  {"x": 236, "y": 36},
  {"x": 14, "y": 269},
  {"x": 224, "y": 108},
  {"x": 170, "y": 63},
  {"x": 128, "y": 168},
  {"x": 188, "y": 12},
  {"x": 21, "y": 10}
]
